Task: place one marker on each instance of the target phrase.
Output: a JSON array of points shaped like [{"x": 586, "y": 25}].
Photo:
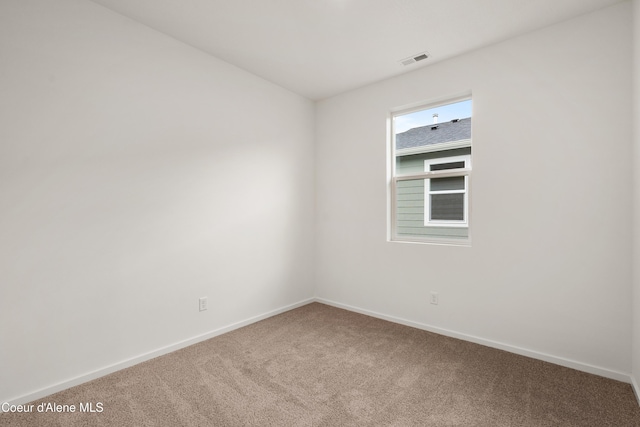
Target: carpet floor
[{"x": 322, "y": 366}]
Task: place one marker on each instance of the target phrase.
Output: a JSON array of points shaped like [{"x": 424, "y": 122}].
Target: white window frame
[{"x": 428, "y": 222}]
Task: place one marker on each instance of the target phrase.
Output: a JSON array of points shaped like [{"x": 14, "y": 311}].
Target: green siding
[{"x": 410, "y": 199}]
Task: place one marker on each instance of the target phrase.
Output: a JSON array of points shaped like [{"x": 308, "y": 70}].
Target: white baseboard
[
  {"x": 607, "y": 373},
  {"x": 636, "y": 389},
  {"x": 46, "y": 391},
  {"x": 603, "y": 372}
]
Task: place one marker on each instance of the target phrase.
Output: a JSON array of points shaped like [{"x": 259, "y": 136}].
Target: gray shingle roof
[{"x": 426, "y": 135}]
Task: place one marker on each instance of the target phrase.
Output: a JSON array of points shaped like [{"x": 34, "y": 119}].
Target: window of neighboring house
[
  {"x": 430, "y": 173},
  {"x": 446, "y": 200}
]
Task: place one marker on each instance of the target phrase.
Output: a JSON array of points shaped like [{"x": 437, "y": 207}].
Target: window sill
[{"x": 432, "y": 241}]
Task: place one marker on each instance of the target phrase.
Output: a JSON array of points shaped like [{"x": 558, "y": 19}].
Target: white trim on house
[{"x": 451, "y": 145}]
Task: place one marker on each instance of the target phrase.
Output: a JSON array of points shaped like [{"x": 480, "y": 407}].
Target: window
[
  {"x": 446, "y": 199},
  {"x": 430, "y": 173}
]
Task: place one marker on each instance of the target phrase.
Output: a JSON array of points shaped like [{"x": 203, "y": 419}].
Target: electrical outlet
[
  {"x": 203, "y": 303},
  {"x": 434, "y": 298}
]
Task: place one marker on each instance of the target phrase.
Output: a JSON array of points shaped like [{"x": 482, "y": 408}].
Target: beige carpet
[{"x": 322, "y": 366}]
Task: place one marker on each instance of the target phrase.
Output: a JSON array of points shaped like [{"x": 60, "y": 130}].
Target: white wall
[
  {"x": 636, "y": 196},
  {"x": 549, "y": 270},
  {"x": 136, "y": 175}
]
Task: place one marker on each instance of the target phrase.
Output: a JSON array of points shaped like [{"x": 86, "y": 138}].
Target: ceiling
[{"x": 319, "y": 48}]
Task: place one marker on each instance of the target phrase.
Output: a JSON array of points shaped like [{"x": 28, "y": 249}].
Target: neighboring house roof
[{"x": 434, "y": 134}]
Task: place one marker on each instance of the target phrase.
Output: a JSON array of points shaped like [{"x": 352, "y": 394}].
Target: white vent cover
[{"x": 415, "y": 58}]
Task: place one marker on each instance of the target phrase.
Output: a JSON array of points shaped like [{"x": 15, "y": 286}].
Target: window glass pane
[
  {"x": 447, "y": 184},
  {"x": 447, "y": 207},
  {"x": 444, "y": 166},
  {"x": 431, "y": 126},
  {"x": 410, "y": 214}
]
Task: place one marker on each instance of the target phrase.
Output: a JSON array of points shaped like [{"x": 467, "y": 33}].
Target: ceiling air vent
[{"x": 415, "y": 58}]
